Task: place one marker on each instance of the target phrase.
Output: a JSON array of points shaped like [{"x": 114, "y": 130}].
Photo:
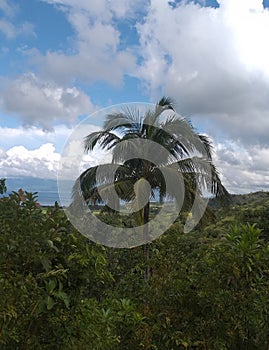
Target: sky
[{"x": 63, "y": 60}]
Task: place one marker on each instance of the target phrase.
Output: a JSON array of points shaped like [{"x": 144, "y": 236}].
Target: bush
[{"x": 52, "y": 282}]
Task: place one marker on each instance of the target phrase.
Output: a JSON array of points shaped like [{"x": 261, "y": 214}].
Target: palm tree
[{"x": 150, "y": 149}]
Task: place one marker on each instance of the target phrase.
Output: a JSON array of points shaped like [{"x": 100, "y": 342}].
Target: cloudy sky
[{"x": 62, "y": 60}]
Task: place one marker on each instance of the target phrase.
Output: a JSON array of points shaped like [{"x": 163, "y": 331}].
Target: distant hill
[
  {"x": 240, "y": 199},
  {"x": 251, "y": 208}
]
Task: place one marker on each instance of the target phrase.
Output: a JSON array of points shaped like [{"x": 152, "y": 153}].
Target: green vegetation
[
  {"x": 208, "y": 288},
  {"x": 3, "y": 187}
]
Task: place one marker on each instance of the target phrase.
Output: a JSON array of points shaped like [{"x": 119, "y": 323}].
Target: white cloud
[
  {"x": 213, "y": 61},
  {"x": 38, "y": 153},
  {"x": 42, "y": 103},
  {"x": 242, "y": 169},
  {"x": 104, "y": 10},
  {"x": 96, "y": 53},
  {"x": 3, "y": 154},
  {"x": 34, "y": 137},
  {"x": 73, "y": 158},
  {"x": 41, "y": 162}
]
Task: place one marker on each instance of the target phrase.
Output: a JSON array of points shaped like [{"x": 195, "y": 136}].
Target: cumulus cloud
[
  {"x": 213, "y": 61},
  {"x": 38, "y": 153},
  {"x": 3, "y": 154},
  {"x": 34, "y": 137},
  {"x": 41, "y": 103},
  {"x": 41, "y": 162},
  {"x": 73, "y": 158},
  {"x": 104, "y": 10},
  {"x": 243, "y": 170},
  {"x": 96, "y": 53}
]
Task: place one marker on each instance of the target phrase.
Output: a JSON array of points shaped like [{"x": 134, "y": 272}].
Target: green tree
[{"x": 174, "y": 149}]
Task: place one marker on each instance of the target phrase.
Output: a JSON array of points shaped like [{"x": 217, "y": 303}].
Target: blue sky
[{"x": 62, "y": 60}]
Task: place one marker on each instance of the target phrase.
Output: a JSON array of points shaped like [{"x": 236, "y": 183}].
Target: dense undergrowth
[{"x": 208, "y": 289}]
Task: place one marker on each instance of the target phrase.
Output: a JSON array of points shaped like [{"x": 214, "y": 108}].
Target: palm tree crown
[
  {"x": 155, "y": 153},
  {"x": 143, "y": 148}
]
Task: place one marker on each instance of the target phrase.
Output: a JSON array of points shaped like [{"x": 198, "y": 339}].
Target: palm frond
[
  {"x": 104, "y": 138},
  {"x": 126, "y": 149},
  {"x": 151, "y": 119},
  {"x": 176, "y": 148},
  {"x": 101, "y": 179},
  {"x": 100, "y": 174},
  {"x": 217, "y": 188},
  {"x": 166, "y": 102},
  {"x": 207, "y": 145},
  {"x": 169, "y": 183},
  {"x": 183, "y": 134},
  {"x": 91, "y": 140},
  {"x": 127, "y": 119},
  {"x": 206, "y": 174}
]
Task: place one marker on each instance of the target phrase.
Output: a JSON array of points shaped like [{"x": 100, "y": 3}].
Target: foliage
[
  {"x": 250, "y": 208},
  {"x": 3, "y": 187},
  {"x": 60, "y": 291},
  {"x": 52, "y": 282},
  {"x": 204, "y": 293}
]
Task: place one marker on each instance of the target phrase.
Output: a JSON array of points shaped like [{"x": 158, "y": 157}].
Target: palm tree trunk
[
  {"x": 146, "y": 246},
  {"x": 147, "y": 271}
]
